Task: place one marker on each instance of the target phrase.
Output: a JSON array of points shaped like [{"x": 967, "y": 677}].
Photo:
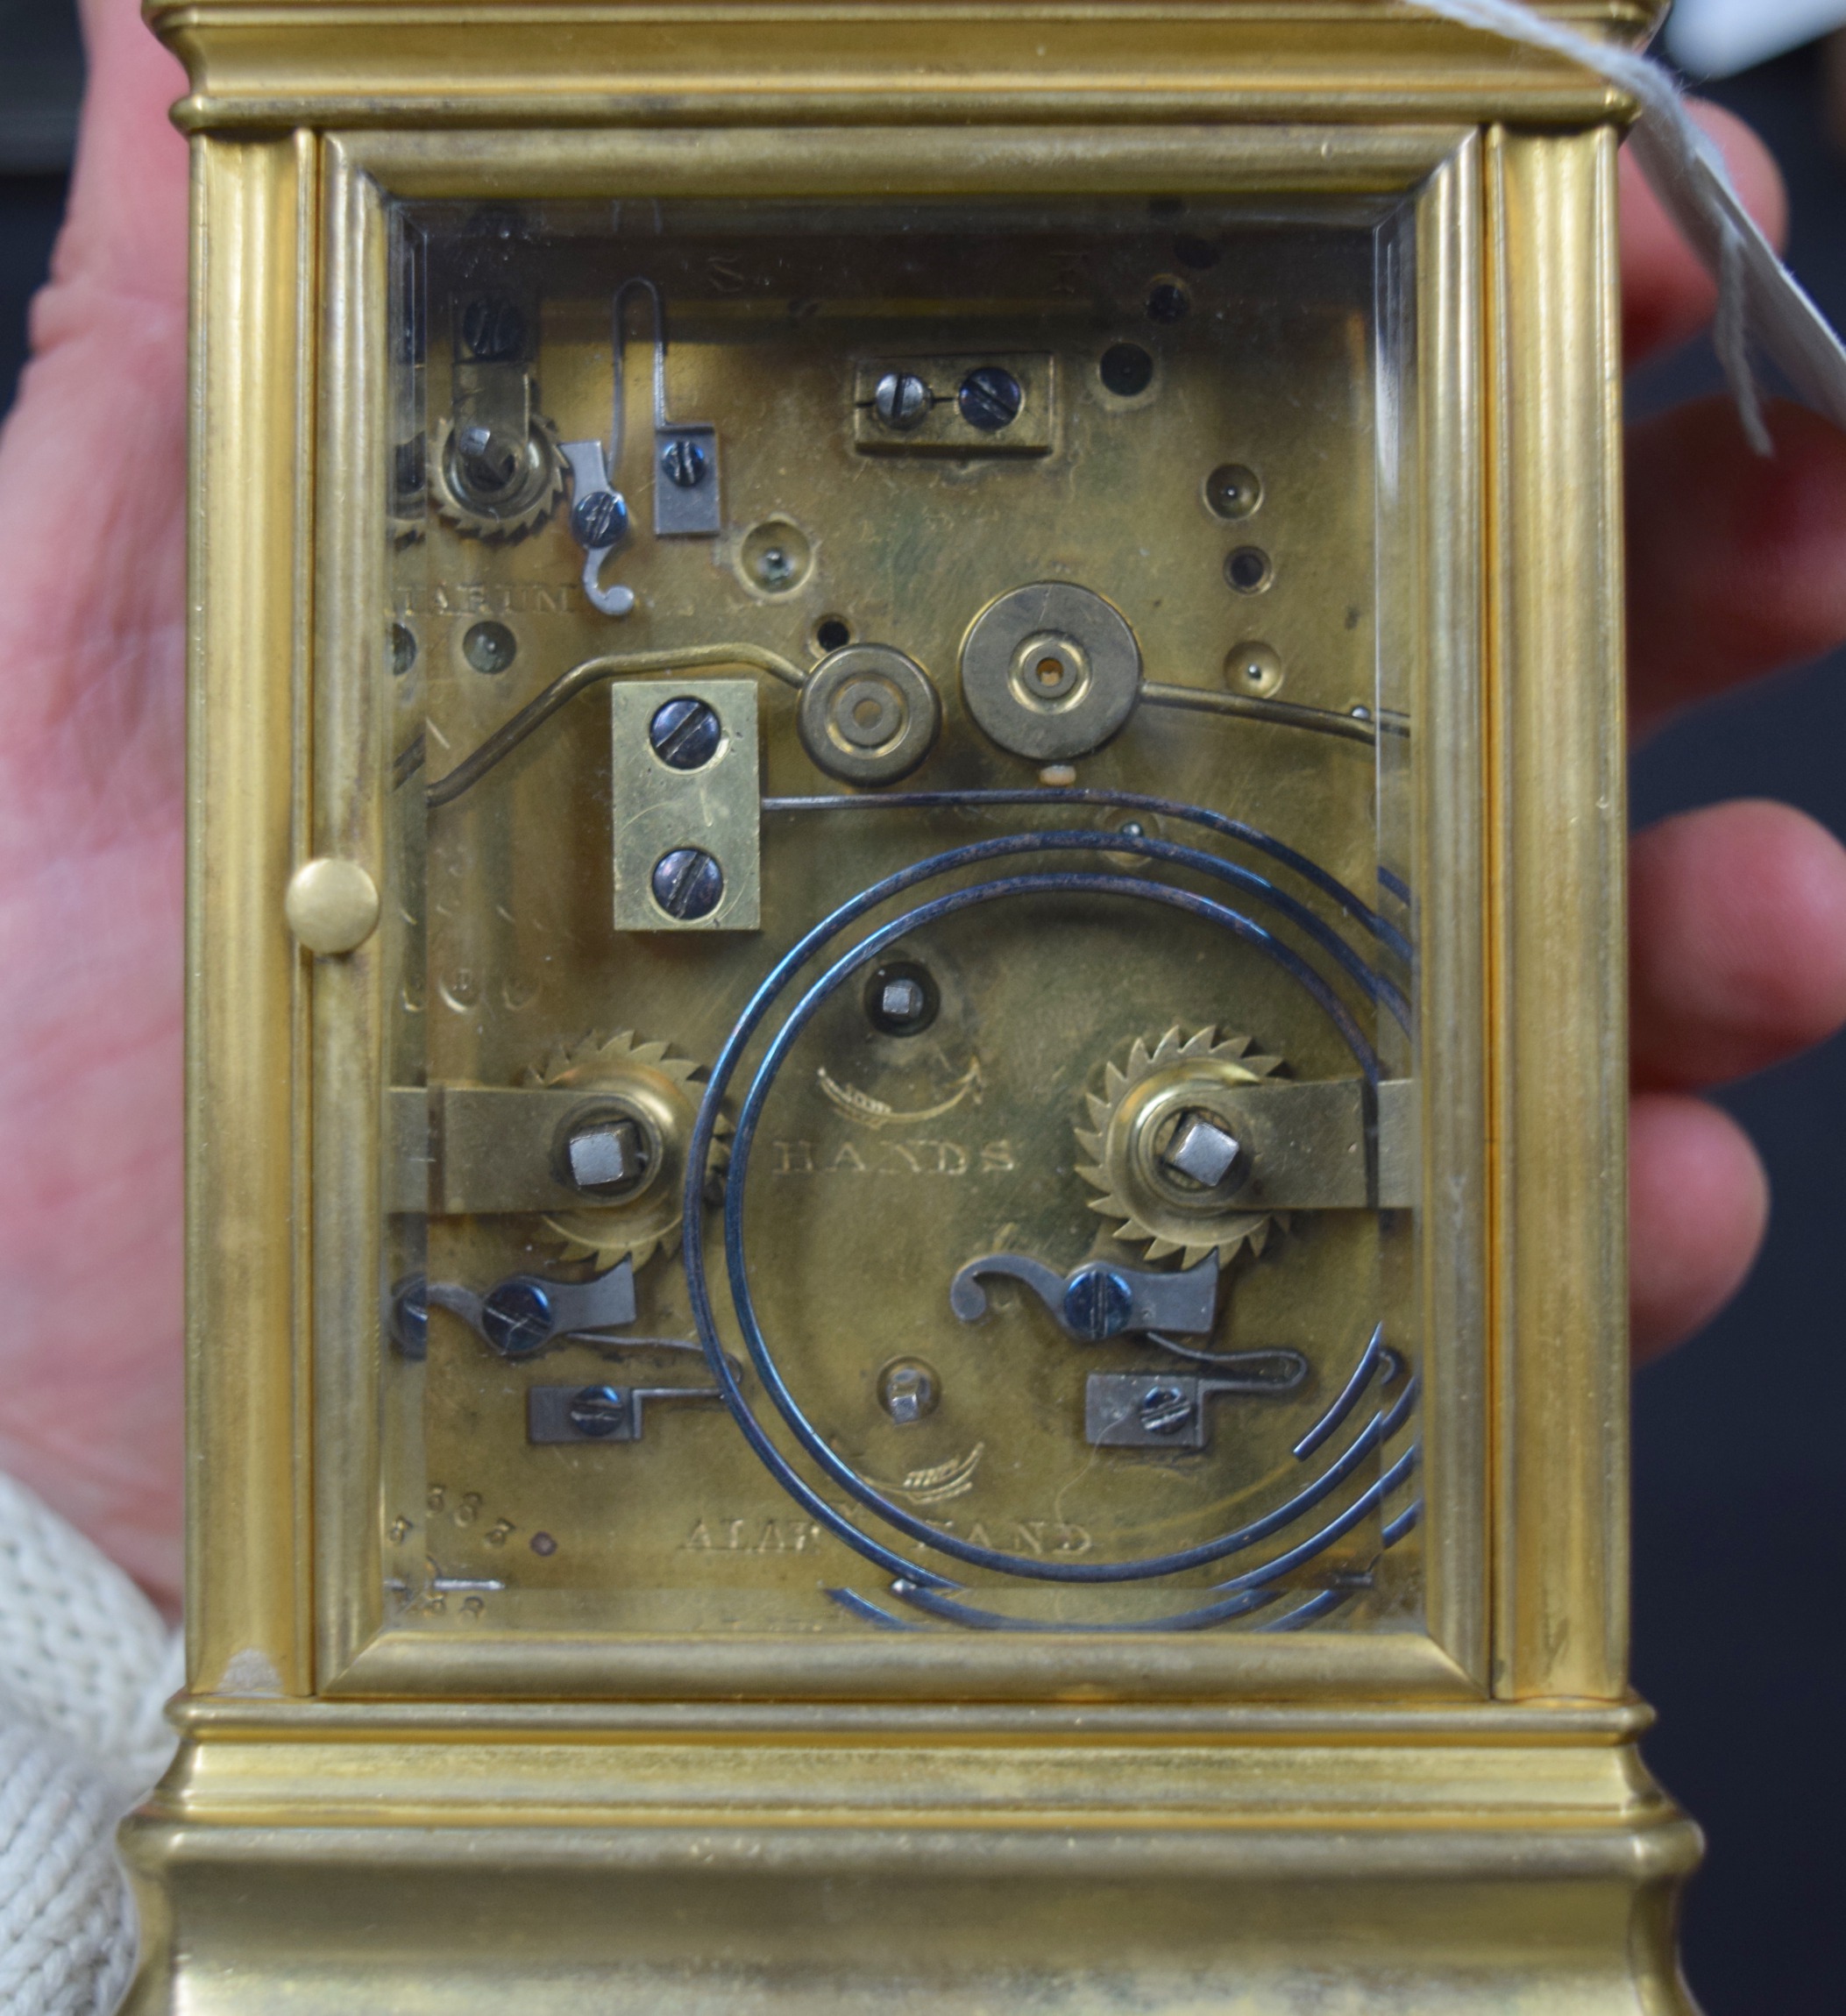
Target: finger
[
  {"x": 129, "y": 187},
  {"x": 1666, "y": 294},
  {"x": 1737, "y": 561},
  {"x": 1737, "y": 930},
  {"x": 1698, "y": 1204}
]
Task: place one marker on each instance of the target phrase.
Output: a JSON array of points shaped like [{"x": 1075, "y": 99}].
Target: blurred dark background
[{"x": 1740, "y": 1491}]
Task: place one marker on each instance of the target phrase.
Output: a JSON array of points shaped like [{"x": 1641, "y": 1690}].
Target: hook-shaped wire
[
  {"x": 599, "y": 513},
  {"x": 618, "y": 418}
]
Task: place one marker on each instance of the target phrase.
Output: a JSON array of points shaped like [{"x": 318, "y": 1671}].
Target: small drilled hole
[
  {"x": 833, "y": 633},
  {"x": 490, "y": 647},
  {"x": 1248, "y": 570},
  {"x": 1125, "y": 369},
  {"x": 1168, "y": 300},
  {"x": 1233, "y": 491}
]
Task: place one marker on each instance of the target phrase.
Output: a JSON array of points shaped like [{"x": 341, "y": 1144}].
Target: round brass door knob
[{"x": 331, "y": 906}]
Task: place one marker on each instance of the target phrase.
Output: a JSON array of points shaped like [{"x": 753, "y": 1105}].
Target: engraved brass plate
[
  {"x": 1098, "y": 1020},
  {"x": 707, "y": 809}
]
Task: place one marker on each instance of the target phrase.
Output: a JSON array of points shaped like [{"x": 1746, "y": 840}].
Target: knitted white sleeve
[{"x": 85, "y": 1666}]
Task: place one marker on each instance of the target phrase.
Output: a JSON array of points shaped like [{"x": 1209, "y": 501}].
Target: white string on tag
[{"x": 1759, "y": 301}]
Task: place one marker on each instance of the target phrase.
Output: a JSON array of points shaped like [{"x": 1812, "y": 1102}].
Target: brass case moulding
[
  {"x": 606, "y": 1860},
  {"x": 486, "y": 1704}
]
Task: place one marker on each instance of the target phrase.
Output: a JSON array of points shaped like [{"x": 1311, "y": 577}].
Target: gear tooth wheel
[
  {"x": 644, "y": 1081},
  {"x": 1142, "y": 1101},
  {"x": 530, "y": 497}
]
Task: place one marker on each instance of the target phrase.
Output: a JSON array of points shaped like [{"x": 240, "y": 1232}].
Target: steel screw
[
  {"x": 990, "y": 398},
  {"x": 685, "y": 734},
  {"x": 1097, "y": 1303},
  {"x": 517, "y": 1317},
  {"x": 494, "y": 331},
  {"x": 902, "y": 400},
  {"x": 1165, "y": 1410},
  {"x": 683, "y": 461},
  {"x": 411, "y": 1317},
  {"x": 687, "y": 883},
  {"x": 599, "y": 1411},
  {"x": 599, "y": 520}
]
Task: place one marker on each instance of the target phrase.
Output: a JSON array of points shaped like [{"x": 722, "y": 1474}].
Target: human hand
[
  {"x": 92, "y": 524},
  {"x": 1739, "y": 912}
]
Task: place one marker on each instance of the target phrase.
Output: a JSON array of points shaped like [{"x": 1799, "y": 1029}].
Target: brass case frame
[{"x": 1457, "y": 1820}]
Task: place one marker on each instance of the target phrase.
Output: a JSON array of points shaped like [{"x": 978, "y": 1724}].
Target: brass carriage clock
[{"x": 908, "y": 1017}]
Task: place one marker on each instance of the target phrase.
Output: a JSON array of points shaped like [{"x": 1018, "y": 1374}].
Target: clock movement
[{"x": 907, "y": 1062}]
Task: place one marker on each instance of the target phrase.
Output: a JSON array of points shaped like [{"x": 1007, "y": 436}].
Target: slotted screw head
[
  {"x": 411, "y": 1317},
  {"x": 599, "y": 520},
  {"x": 901, "y": 400},
  {"x": 990, "y": 398},
  {"x": 685, "y": 734},
  {"x": 1097, "y": 1303},
  {"x": 1165, "y": 1410},
  {"x": 517, "y": 1317},
  {"x": 493, "y": 330},
  {"x": 598, "y": 1410},
  {"x": 687, "y": 883},
  {"x": 683, "y": 462}
]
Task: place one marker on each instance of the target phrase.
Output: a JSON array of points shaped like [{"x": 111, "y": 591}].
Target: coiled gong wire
[{"x": 917, "y": 1579}]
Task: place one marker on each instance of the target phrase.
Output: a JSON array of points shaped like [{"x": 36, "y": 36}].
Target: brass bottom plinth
[{"x": 342, "y": 1859}]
